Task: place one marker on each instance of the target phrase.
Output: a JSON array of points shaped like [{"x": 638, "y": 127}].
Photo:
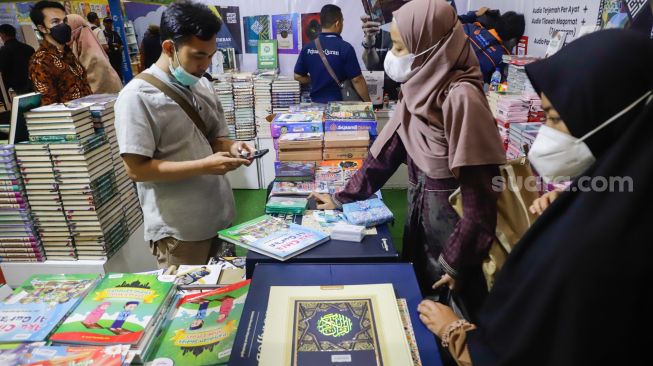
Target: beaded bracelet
[{"x": 450, "y": 329}]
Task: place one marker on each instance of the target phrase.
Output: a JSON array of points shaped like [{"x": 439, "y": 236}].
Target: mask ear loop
[
  {"x": 430, "y": 49},
  {"x": 648, "y": 95}
]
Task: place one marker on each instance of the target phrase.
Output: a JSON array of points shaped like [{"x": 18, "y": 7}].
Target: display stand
[{"x": 134, "y": 256}]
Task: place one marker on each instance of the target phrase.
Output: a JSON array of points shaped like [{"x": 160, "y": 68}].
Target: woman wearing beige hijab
[
  {"x": 444, "y": 131},
  {"x": 101, "y": 76}
]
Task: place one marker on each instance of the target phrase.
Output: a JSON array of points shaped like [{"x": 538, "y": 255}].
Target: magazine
[
  {"x": 273, "y": 237},
  {"x": 203, "y": 328},
  {"x": 36, "y": 307}
]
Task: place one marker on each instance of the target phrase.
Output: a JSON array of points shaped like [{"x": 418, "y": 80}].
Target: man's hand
[
  {"x": 542, "y": 203},
  {"x": 324, "y": 201},
  {"x": 370, "y": 30},
  {"x": 436, "y": 316},
  {"x": 445, "y": 280},
  {"x": 221, "y": 163},
  {"x": 482, "y": 11},
  {"x": 239, "y": 148}
]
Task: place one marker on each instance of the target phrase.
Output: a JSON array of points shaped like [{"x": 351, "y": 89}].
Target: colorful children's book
[
  {"x": 370, "y": 212},
  {"x": 284, "y": 169},
  {"x": 273, "y": 237},
  {"x": 36, "y": 307},
  {"x": 292, "y": 188},
  {"x": 199, "y": 275},
  {"x": 74, "y": 356},
  {"x": 203, "y": 328},
  {"x": 119, "y": 311}
]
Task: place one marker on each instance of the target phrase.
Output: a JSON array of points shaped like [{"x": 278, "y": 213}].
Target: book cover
[
  {"x": 119, "y": 310},
  {"x": 203, "y": 328},
  {"x": 201, "y": 275},
  {"x": 370, "y": 212},
  {"x": 267, "y": 57},
  {"x": 311, "y": 27},
  {"x": 36, "y": 307},
  {"x": 230, "y": 35},
  {"x": 74, "y": 356},
  {"x": 307, "y": 116},
  {"x": 324, "y": 325},
  {"x": 359, "y": 111},
  {"x": 273, "y": 237},
  {"x": 285, "y": 29},
  {"x": 292, "y": 188},
  {"x": 294, "y": 169},
  {"x": 20, "y": 105},
  {"x": 58, "y": 110},
  {"x": 255, "y": 28}
]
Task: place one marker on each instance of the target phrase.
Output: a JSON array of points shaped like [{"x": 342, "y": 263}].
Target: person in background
[
  {"x": 310, "y": 69},
  {"x": 492, "y": 36},
  {"x": 115, "y": 46},
  {"x": 180, "y": 169},
  {"x": 54, "y": 70},
  {"x": 150, "y": 49},
  {"x": 444, "y": 131},
  {"x": 554, "y": 302},
  {"x": 94, "y": 19},
  {"x": 14, "y": 61},
  {"x": 101, "y": 76}
]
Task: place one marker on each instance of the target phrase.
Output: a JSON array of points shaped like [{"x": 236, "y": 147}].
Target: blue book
[
  {"x": 370, "y": 212},
  {"x": 273, "y": 237},
  {"x": 39, "y": 304}
]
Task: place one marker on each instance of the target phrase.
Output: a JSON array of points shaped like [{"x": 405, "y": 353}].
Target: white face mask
[
  {"x": 398, "y": 68},
  {"x": 557, "y": 155}
]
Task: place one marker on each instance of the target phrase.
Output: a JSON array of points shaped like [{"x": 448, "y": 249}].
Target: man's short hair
[
  {"x": 510, "y": 26},
  {"x": 184, "y": 19},
  {"x": 92, "y": 17},
  {"x": 8, "y": 30},
  {"x": 329, "y": 15},
  {"x": 36, "y": 14},
  {"x": 107, "y": 20}
]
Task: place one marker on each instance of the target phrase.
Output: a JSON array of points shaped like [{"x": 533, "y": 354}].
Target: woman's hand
[
  {"x": 542, "y": 203},
  {"x": 324, "y": 201},
  {"x": 445, "y": 280},
  {"x": 436, "y": 316}
]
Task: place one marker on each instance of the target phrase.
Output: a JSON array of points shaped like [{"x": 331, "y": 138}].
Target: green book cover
[
  {"x": 286, "y": 205},
  {"x": 203, "y": 328},
  {"x": 267, "y": 57},
  {"x": 118, "y": 310}
]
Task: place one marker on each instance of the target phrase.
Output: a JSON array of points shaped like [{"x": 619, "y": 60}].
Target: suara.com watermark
[{"x": 583, "y": 184}]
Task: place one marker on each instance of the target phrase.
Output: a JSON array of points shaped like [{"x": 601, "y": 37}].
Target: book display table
[{"x": 247, "y": 347}]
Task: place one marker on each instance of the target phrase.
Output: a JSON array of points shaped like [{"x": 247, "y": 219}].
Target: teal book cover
[{"x": 203, "y": 328}]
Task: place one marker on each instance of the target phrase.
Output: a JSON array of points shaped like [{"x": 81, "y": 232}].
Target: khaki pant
[{"x": 170, "y": 251}]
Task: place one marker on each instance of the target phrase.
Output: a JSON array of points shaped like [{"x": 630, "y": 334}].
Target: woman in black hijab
[{"x": 577, "y": 288}]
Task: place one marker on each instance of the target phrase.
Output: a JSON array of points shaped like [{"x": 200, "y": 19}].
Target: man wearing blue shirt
[{"x": 341, "y": 57}]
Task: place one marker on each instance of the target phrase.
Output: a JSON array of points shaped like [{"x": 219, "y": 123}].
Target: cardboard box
[
  {"x": 335, "y": 139},
  {"x": 345, "y": 153},
  {"x": 301, "y": 141},
  {"x": 300, "y": 155}
]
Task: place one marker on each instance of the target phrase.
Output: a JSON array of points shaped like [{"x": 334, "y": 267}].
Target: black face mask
[{"x": 61, "y": 33}]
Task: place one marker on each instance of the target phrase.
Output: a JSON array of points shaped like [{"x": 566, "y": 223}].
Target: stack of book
[
  {"x": 292, "y": 188},
  {"x": 351, "y": 116},
  {"x": 517, "y": 79},
  {"x": 301, "y": 146},
  {"x": 285, "y": 92},
  {"x": 522, "y": 136},
  {"x": 19, "y": 239},
  {"x": 244, "y": 106},
  {"x": 340, "y": 145},
  {"x": 101, "y": 106},
  {"x": 286, "y": 205},
  {"x": 224, "y": 90},
  {"x": 42, "y": 187},
  {"x": 122, "y": 309},
  {"x": 262, "y": 104},
  {"x": 294, "y": 171},
  {"x": 535, "y": 111},
  {"x": 332, "y": 175}
]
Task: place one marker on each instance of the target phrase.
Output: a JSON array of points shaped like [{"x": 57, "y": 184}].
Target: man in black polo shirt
[
  {"x": 341, "y": 56},
  {"x": 14, "y": 61},
  {"x": 115, "y": 45}
]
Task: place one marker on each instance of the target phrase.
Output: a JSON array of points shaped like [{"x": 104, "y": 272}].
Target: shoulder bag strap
[
  {"x": 183, "y": 103},
  {"x": 326, "y": 62}
]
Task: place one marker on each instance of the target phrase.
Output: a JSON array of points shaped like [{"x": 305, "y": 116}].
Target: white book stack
[
  {"x": 263, "y": 104},
  {"x": 19, "y": 239},
  {"x": 42, "y": 188},
  {"x": 285, "y": 92},
  {"x": 225, "y": 93},
  {"x": 244, "y": 106}
]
